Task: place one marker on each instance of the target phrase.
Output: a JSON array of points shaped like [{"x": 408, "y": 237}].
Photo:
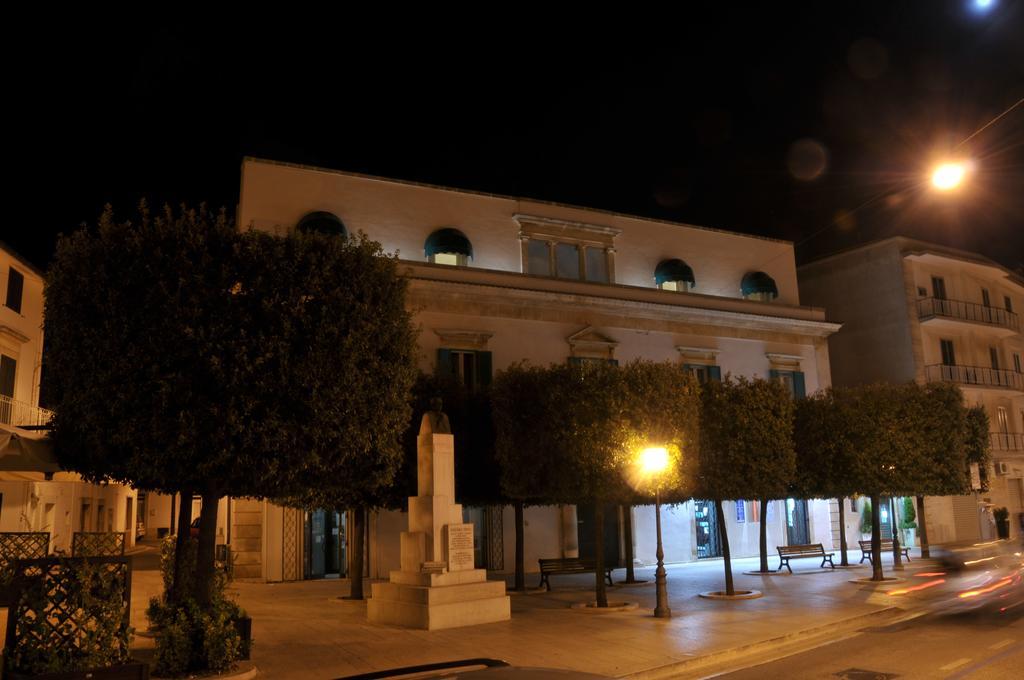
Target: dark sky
[{"x": 777, "y": 119}]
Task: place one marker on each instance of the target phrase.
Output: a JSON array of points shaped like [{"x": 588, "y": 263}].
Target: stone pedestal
[{"x": 437, "y": 586}]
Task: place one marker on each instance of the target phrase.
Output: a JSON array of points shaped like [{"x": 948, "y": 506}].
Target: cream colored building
[
  {"x": 29, "y": 502},
  {"x": 496, "y": 280},
  {"x": 919, "y": 311}
]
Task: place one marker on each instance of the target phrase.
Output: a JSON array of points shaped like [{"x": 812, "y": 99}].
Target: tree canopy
[
  {"x": 243, "y": 360},
  {"x": 746, "y": 446}
]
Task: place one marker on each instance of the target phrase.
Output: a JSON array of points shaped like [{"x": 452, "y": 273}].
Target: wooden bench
[
  {"x": 788, "y": 552},
  {"x": 569, "y": 565},
  {"x": 865, "y": 549}
]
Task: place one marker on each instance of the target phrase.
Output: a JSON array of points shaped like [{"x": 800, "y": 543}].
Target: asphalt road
[{"x": 976, "y": 645}]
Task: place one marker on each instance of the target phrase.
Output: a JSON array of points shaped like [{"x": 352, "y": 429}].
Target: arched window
[
  {"x": 759, "y": 286},
  {"x": 448, "y": 246},
  {"x": 322, "y": 223},
  {"x": 674, "y": 275}
]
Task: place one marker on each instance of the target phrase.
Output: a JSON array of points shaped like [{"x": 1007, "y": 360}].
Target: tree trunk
[
  {"x": 520, "y": 583},
  {"x": 922, "y": 527},
  {"x": 174, "y": 497},
  {"x": 356, "y": 543},
  {"x": 764, "y": 536},
  {"x": 181, "y": 544},
  {"x": 726, "y": 556},
  {"x": 627, "y": 531},
  {"x": 842, "y": 533},
  {"x": 601, "y": 591},
  {"x": 897, "y": 559},
  {"x": 205, "y": 568},
  {"x": 876, "y": 538}
]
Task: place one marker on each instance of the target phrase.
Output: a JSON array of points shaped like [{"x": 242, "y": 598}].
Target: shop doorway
[
  {"x": 325, "y": 544},
  {"x": 709, "y": 541},
  {"x": 797, "y": 531},
  {"x": 585, "y": 533}
]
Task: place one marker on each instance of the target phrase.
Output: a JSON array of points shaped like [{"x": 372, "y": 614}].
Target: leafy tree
[
  {"x": 825, "y": 455},
  {"x": 886, "y": 431},
  {"x": 570, "y": 433},
  {"x": 524, "y": 448},
  {"x": 746, "y": 448},
  {"x": 223, "y": 361}
]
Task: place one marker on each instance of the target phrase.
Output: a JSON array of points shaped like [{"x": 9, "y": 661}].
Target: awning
[
  {"x": 28, "y": 456},
  {"x": 758, "y": 282},
  {"x": 322, "y": 223},
  {"x": 450, "y": 241},
  {"x": 673, "y": 270}
]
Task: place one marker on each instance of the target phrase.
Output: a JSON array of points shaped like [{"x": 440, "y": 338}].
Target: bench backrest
[
  {"x": 567, "y": 564},
  {"x": 886, "y": 544},
  {"x": 809, "y": 548}
]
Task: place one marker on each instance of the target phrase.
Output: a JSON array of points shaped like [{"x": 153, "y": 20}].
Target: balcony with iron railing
[
  {"x": 21, "y": 414},
  {"x": 958, "y": 310},
  {"x": 976, "y": 376},
  {"x": 1006, "y": 441}
]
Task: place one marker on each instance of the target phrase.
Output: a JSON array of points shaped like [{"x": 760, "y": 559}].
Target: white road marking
[
  {"x": 956, "y": 664},
  {"x": 1004, "y": 643}
]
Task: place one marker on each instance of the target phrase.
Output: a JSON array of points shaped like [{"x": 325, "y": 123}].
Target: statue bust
[{"x": 435, "y": 421}]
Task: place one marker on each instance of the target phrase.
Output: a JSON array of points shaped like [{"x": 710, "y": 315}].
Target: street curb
[{"x": 693, "y": 663}]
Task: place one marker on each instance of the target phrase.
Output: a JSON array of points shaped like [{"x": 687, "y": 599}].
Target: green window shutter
[
  {"x": 444, "y": 362},
  {"x": 715, "y": 373},
  {"x": 613, "y": 362},
  {"x": 774, "y": 375},
  {"x": 798, "y": 385},
  {"x": 575, "y": 361},
  {"x": 483, "y": 368}
]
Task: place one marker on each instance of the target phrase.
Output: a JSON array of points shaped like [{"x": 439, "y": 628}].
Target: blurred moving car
[{"x": 970, "y": 576}]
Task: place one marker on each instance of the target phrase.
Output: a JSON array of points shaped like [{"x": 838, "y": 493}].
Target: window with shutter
[
  {"x": 15, "y": 289},
  {"x": 471, "y": 368}
]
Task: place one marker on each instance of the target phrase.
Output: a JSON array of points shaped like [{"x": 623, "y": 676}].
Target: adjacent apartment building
[
  {"x": 919, "y": 311},
  {"x": 496, "y": 280},
  {"x": 30, "y": 502}
]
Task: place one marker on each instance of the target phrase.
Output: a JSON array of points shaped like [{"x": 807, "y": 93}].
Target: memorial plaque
[{"x": 460, "y": 547}]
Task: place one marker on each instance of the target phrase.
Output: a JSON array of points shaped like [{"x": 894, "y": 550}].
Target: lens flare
[{"x": 948, "y": 176}]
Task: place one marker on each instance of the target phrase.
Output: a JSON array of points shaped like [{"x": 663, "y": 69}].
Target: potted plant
[
  {"x": 907, "y": 522},
  {"x": 865, "y": 518},
  {"x": 1002, "y": 517}
]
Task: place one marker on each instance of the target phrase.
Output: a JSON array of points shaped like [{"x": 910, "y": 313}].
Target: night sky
[{"x": 804, "y": 121}]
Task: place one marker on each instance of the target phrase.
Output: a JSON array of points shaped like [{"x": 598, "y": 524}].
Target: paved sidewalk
[{"x": 302, "y": 630}]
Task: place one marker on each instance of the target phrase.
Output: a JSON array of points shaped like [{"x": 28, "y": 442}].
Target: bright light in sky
[
  {"x": 948, "y": 176},
  {"x": 983, "y": 5}
]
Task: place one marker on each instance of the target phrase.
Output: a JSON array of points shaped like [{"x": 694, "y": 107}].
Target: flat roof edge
[{"x": 473, "y": 192}]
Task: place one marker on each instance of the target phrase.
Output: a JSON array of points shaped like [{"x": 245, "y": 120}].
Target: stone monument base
[{"x": 436, "y": 601}]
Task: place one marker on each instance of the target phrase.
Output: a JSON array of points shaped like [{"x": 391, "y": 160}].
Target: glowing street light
[
  {"x": 655, "y": 461},
  {"x": 948, "y": 176}
]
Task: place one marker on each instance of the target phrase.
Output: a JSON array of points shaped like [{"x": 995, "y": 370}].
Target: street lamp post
[
  {"x": 655, "y": 461},
  {"x": 661, "y": 609}
]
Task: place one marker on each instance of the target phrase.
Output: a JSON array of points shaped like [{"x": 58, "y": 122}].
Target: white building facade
[
  {"x": 29, "y": 502},
  {"x": 496, "y": 280},
  {"x": 915, "y": 311}
]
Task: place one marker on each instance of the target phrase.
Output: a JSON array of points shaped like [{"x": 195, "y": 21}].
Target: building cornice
[{"x": 426, "y": 290}]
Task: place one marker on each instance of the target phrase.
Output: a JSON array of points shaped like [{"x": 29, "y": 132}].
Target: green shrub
[
  {"x": 70, "y": 617},
  {"x": 167, "y": 549},
  {"x": 190, "y": 638},
  {"x": 865, "y": 517},
  {"x": 909, "y": 514},
  {"x": 1001, "y": 514}
]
